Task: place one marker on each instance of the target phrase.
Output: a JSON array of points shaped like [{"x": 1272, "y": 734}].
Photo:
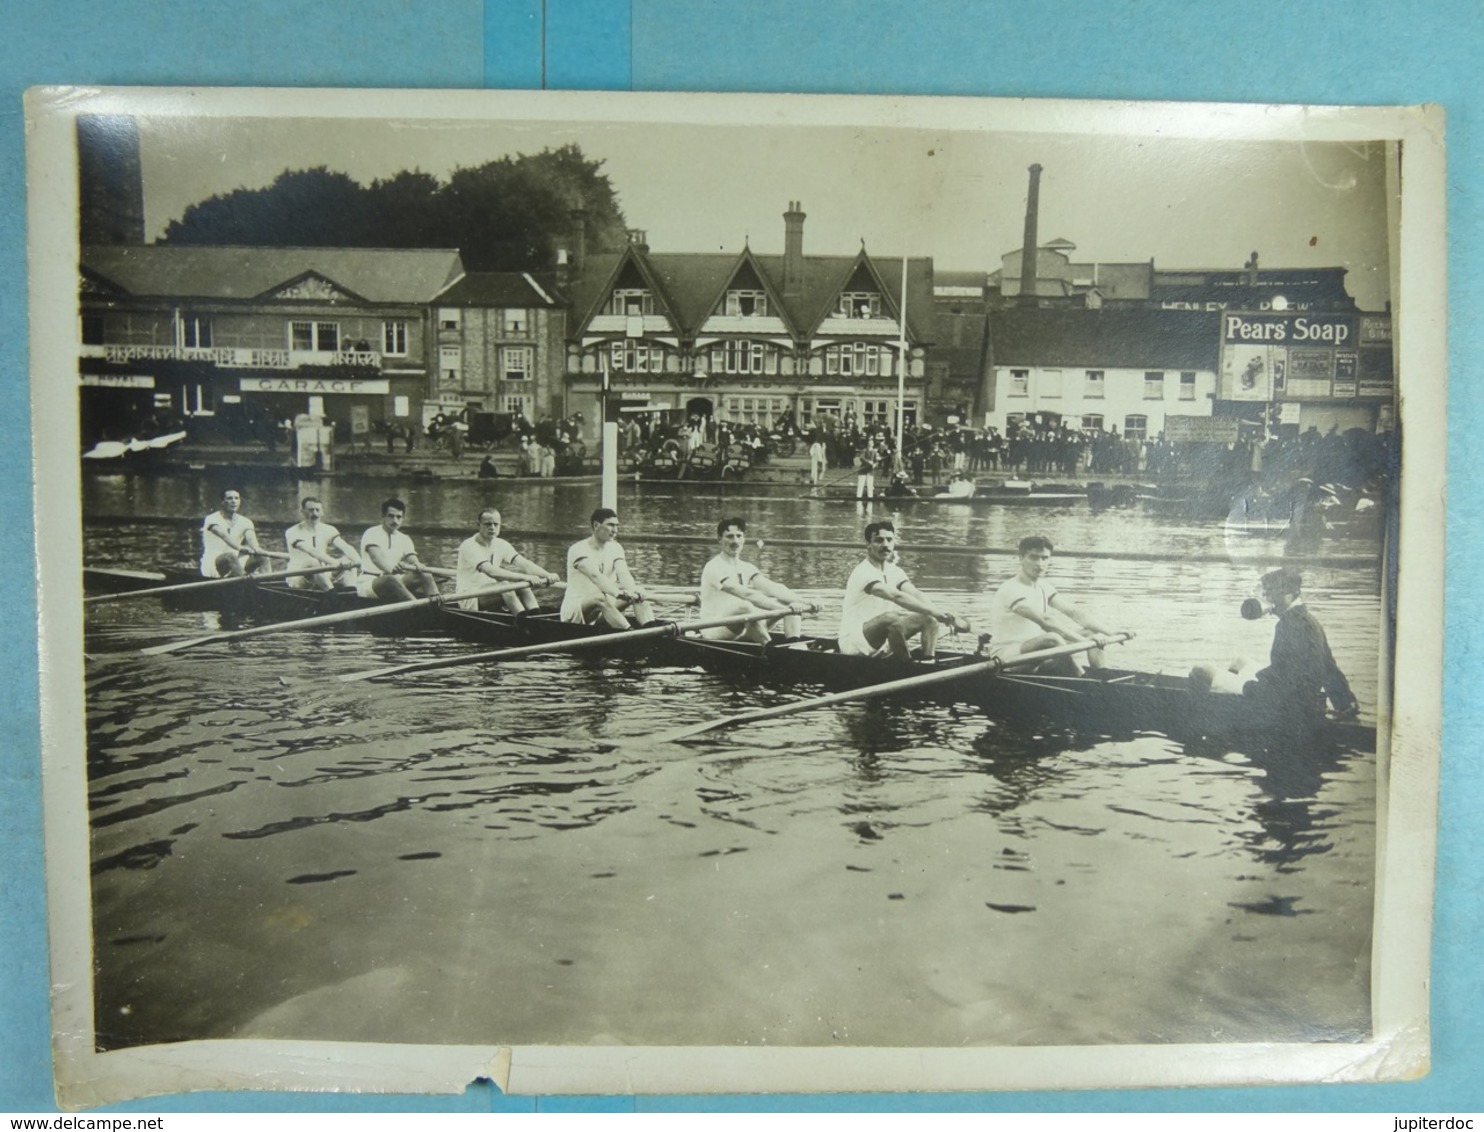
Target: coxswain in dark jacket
[{"x": 1301, "y": 671}]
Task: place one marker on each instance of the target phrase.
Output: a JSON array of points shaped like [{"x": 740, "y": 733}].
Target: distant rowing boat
[{"x": 1010, "y": 493}]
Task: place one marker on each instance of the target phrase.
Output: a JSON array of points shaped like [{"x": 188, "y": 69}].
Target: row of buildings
[{"x": 232, "y": 340}]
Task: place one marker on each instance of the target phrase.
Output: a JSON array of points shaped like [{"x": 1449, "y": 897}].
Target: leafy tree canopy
[{"x": 505, "y": 215}]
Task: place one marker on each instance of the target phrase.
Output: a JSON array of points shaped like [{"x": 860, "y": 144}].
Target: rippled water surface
[{"x": 499, "y": 854}]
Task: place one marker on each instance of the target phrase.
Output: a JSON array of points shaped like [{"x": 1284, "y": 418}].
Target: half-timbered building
[{"x": 750, "y": 337}]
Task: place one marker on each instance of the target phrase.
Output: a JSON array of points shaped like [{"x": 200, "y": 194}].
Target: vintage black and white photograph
[{"x": 609, "y": 581}]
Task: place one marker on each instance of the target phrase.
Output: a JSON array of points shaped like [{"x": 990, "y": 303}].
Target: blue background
[{"x": 1323, "y": 51}]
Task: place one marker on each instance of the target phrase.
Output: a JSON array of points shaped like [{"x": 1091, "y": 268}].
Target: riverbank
[{"x": 255, "y": 463}]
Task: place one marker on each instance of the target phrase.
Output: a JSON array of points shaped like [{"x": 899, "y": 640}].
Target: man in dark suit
[{"x": 1301, "y": 671}]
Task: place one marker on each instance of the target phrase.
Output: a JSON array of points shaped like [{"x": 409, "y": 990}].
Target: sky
[{"x": 958, "y": 195}]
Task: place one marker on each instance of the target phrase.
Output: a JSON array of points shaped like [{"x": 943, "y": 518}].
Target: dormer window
[
  {"x": 859, "y": 304},
  {"x": 631, "y": 301},
  {"x": 747, "y": 304}
]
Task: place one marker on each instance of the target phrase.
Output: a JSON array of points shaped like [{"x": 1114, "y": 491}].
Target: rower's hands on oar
[{"x": 955, "y": 622}]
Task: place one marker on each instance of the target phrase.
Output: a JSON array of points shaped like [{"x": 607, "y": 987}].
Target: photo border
[{"x": 1407, "y": 786}]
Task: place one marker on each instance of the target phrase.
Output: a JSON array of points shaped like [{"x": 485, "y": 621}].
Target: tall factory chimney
[
  {"x": 793, "y": 250},
  {"x": 1028, "y": 247}
]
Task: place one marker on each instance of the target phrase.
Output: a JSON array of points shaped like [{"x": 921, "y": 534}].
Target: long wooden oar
[
  {"x": 329, "y": 619},
  {"x": 441, "y": 572},
  {"x": 579, "y": 644},
  {"x": 216, "y": 583},
  {"x": 871, "y": 690}
]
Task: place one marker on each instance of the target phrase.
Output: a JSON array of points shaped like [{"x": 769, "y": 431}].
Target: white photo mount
[{"x": 1409, "y": 698}]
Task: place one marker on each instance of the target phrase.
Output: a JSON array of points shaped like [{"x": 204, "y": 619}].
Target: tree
[{"x": 508, "y": 214}]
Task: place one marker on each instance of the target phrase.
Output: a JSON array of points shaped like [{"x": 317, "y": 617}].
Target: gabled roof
[
  {"x": 600, "y": 275},
  {"x": 1110, "y": 337},
  {"x": 689, "y": 284},
  {"x": 500, "y": 289},
  {"x": 777, "y": 305},
  {"x": 379, "y": 275}
]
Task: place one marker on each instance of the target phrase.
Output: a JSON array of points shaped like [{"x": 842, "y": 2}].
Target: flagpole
[
  {"x": 609, "y": 490},
  {"x": 902, "y": 362}
]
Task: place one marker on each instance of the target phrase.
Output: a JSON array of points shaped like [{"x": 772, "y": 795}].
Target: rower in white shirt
[
  {"x": 599, "y": 585},
  {"x": 313, "y": 542},
  {"x": 733, "y": 587},
  {"x": 229, "y": 542},
  {"x": 486, "y": 559},
  {"x": 390, "y": 567},
  {"x": 882, "y": 610}
]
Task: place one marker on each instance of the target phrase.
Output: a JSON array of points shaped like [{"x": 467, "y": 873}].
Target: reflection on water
[{"x": 497, "y": 853}]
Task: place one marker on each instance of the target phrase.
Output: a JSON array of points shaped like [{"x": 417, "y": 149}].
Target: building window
[
  {"x": 401, "y": 406},
  {"x": 516, "y": 323},
  {"x": 631, "y": 301},
  {"x": 746, "y": 304},
  {"x": 195, "y": 331},
  {"x": 743, "y": 356},
  {"x": 1187, "y": 386},
  {"x": 1092, "y": 422},
  {"x": 516, "y": 363},
  {"x": 875, "y": 413},
  {"x": 1154, "y": 385},
  {"x": 1135, "y": 426},
  {"x": 1051, "y": 383},
  {"x": 450, "y": 364},
  {"x": 448, "y": 318},
  {"x": 518, "y": 405},
  {"x": 1020, "y": 383},
  {"x": 637, "y": 357},
  {"x": 859, "y": 304},
  {"x": 1095, "y": 384},
  {"x": 755, "y": 410},
  {"x": 315, "y": 337},
  {"x": 853, "y": 359},
  {"x": 394, "y": 338},
  {"x": 92, "y": 330}
]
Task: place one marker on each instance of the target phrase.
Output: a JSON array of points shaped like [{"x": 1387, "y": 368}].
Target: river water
[{"x": 497, "y": 854}]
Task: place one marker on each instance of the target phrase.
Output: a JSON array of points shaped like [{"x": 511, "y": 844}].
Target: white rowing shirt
[
  {"x": 580, "y": 588},
  {"x": 1008, "y": 629},
  {"x": 861, "y": 605},
  {"x": 302, "y": 538},
  {"x": 213, "y": 546},
  {"x": 472, "y": 555},
  {"x": 397, "y": 546},
  {"x": 715, "y": 601}
]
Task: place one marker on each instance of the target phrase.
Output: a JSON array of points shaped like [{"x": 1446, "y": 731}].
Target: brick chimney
[
  {"x": 1028, "y": 247},
  {"x": 793, "y": 250},
  {"x": 639, "y": 240}
]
